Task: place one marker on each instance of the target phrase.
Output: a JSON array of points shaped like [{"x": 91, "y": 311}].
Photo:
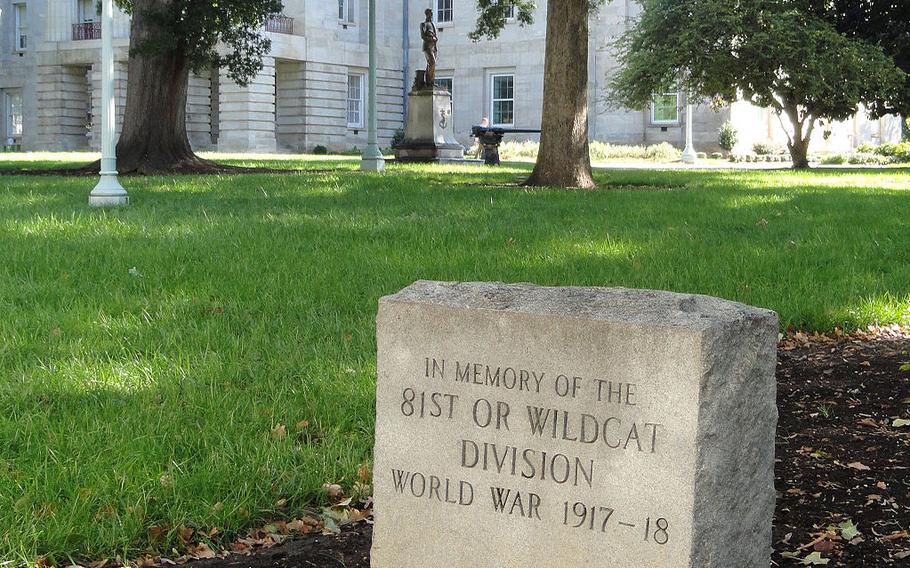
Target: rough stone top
[{"x": 616, "y": 305}]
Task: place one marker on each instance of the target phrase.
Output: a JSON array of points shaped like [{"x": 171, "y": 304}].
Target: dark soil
[
  {"x": 349, "y": 549},
  {"x": 838, "y": 399},
  {"x": 838, "y": 456}
]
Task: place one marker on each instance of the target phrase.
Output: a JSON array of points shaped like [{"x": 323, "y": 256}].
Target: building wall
[
  {"x": 520, "y": 50},
  {"x": 17, "y": 70},
  {"x": 299, "y": 100},
  {"x": 306, "y": 73},
  {"x": 761, "y": 125},
  {"x": 330, "y": 49}
]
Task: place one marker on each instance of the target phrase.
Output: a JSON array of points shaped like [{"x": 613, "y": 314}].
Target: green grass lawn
[{"x": 147, "y": 354}]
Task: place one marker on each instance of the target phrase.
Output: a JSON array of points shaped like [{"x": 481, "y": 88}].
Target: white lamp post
[
  {"x": 690, "y": 156},
  {"x": 372, "y": 160},
  {"x": 108, "y": 191}
]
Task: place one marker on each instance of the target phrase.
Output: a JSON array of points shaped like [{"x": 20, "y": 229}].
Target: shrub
[
  {"x": 866, "y": 148},
  {"x": 320, "y": 150},
  {"x": 764, "y": 148},
  {"x": 600, "y": 151},
  {"x": 898, "y": 152},
  {"x": 833, "y": 160},
  {"x": 717, "y": 156},
  {"x": 398, "y": 137},
  {"x": 869, "y": 160},
  {"x": 728, "y": 136},
  {"x": 663, "y": 152},
  {"x": 510, "y": 149},
  {"x": 702, "y": 156}
]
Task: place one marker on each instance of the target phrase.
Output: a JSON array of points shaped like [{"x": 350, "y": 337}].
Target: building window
[
  {"x": 86, "y": 11},
  {"x": 355, "y": 100},
  {"x": 503, "y": 107},
  {"x": 510, "y": 11},
  {"x": 444, "y": 83},
  {"x": 21, "y": 16},
  {"x": 346, "y": 11},
  {"x": 665, "y": 109},
  {"x": 13, "y": 114},
  {"x": 444, "y": 11}
]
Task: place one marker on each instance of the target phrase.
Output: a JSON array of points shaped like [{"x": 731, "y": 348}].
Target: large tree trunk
[
  {"x": 563, "y": 159},
  {"x": 798, "y": 144},
  {"x": 154, "y": 139},
  {"x": 799, "y": 153}
]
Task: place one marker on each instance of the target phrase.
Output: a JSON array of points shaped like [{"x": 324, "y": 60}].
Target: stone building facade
[{"x": 312, "y": 89}]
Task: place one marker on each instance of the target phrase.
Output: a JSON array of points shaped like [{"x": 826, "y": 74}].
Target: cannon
[{"x": 490, "y": 137}]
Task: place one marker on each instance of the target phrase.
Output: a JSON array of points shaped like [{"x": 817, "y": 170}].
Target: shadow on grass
[{"x": 152, "y": 352}]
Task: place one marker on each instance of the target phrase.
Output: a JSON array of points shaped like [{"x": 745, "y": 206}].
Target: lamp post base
[
  {"x": 372, "y": 165},
  {"x": 372, "y": 160},
  {"x": 690, "y": 156},
  {"x": 108, "y": 192}
]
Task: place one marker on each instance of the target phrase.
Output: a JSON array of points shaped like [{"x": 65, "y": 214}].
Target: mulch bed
[
  {"x": 349, "y": 549},
  {"x": 839, "y": 455},
  {"x": 843, "y": 467}
]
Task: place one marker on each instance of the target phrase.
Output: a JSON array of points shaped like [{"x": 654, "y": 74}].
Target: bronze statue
[{"x": 429, "y": 37}]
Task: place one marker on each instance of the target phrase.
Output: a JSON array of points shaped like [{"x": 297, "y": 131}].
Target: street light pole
[
  {"x": 372, "y": 160},
  {"x": 108, "y": 191},
  {"x": 690, "y": 156}
]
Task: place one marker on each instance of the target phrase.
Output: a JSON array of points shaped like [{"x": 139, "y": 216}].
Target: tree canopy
[
  {"x": 769, "y": 52},
  {"x": 884, "y": 23},
  {"x": 198, "y": 28},
  {"x": 492, "y": 16}
]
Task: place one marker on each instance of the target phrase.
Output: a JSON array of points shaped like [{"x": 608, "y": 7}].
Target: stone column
[
  {"x": 247, "y": 114},
  {"x": 63, "y": 103},
  {"x": 290, "y": 106},
  {"x": 199, "y": 111}
]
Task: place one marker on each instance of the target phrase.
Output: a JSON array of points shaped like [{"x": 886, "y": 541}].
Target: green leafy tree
[
  {"x": 768, "y": 52},
  {"x": 727, "y": 136},
  {"x": 564, "y": 159},
  {"x": 884, "y": 23},
  {"x": 168, "y": 39}
]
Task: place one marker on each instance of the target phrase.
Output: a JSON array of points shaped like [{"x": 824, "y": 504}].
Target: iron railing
[
  {"x": 280, "y": 25},
  {"x": 86, "y": 30}
]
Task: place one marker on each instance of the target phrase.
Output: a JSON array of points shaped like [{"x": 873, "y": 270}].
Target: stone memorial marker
[{"x": 520, "y": 426}]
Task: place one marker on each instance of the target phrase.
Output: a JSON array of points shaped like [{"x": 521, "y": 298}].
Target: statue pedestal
[{"x": 429, "y": 135}]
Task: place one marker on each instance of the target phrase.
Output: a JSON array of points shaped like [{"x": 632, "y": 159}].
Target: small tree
[
  {"x": 168, "y": 39},
  {"x": 766, "y": 52},
  {"x": 564, "y": 159},
  {"x": 728, "y": 136}
]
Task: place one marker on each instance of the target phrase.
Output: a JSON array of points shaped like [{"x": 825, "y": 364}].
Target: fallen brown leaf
[
  {"x": 279, "y": 432},
  {"x": 185, "y": 533},
  {"x": 334, "y": 491},
  {"x": 200, "y": 550}
]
